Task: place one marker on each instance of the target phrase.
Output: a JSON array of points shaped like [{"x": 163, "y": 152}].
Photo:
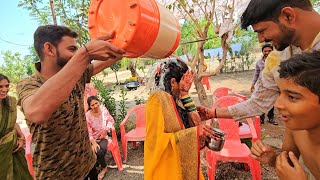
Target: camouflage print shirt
[{"x": 62, "y": 146}]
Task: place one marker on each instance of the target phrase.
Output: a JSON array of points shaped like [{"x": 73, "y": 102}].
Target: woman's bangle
[{"x": 188, "y": 103}]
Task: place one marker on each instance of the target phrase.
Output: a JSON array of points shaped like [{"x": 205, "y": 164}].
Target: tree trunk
[
  {"x": 53, "y": 12},
  {"x": 202, "y": 95},
  {"x": 117, "y": 77}
]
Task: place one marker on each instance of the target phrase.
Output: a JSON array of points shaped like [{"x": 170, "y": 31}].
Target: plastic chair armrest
[
  {"x": 252, "y": 130},
  {"x": 122, "y": 124},
  {"x": 28, "y": 144},
  {"x": 114, "y": 134}
]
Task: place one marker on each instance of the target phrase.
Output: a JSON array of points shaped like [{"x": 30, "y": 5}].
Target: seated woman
[
  {"x": 174, "y": 133},
  {"x": 99, "y": 124},
  {"x": 90, "y": 90},
  {"x": 12, "y": 156}
]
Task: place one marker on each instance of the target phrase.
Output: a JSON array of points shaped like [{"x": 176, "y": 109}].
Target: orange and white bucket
[{"x": 143, "y": 28}]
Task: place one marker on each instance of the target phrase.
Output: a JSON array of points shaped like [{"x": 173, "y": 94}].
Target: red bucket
[{"x": 143, "y": 28}]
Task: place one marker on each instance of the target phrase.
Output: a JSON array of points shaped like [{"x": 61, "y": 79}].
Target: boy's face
[{"x": 298, "y": 107}]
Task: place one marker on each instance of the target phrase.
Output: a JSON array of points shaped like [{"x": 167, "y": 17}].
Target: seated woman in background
[
  {"x": 174, "y": 133},
  {"x": 12, "y": 156},
  {"x": 99, "y": 124}
]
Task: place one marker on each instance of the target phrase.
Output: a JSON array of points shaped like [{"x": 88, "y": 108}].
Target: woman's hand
[
  {"x": 103, "y": 135},
  {"x": 21, "y": 144},
  {"x": 186, "y": 82},
  {"x": 206, "y": 132},
  {"x": 195, "y": 118},
  {"x": 95, "y": 146}
]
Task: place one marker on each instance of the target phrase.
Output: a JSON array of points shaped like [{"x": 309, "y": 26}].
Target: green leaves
[
  {"x": 71, "y": 13},
  {"x": 16, "y": 67}
]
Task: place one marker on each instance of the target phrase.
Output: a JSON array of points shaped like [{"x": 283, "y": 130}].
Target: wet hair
[
  {"x": 52, "y": 34},
  {"x": 90, "y": 99},
  {"x": 267, "y": 45},
  {"x": 5, "y": 106},
  {"x": 304, "y": 70},
  {"x": 172, "y": 68},
  {"x": 269, "y": 10}
]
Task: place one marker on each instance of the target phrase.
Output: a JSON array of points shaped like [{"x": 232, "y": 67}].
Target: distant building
[{"x": 212, "y": 53}]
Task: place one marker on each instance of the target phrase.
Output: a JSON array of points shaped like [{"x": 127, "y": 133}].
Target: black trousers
[
  {"x": 101, "y": 153},
  {"x": 270, "y": 115},
  {"x": 93, "y": 174}
]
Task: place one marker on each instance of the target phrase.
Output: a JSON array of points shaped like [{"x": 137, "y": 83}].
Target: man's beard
[
  {"x": 61, "y": 61},
  {"x": 287, "y": 37}
]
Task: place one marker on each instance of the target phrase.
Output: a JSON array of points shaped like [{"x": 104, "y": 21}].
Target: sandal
[
  {"x": 102, "y": 173},
  {"x": 271, "y": 121}
]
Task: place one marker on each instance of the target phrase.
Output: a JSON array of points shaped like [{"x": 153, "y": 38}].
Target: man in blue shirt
[{"x": 266, "y": 49}]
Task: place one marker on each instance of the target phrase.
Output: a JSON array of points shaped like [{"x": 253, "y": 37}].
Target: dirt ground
[
  {"x": 239, "y": 82},
  {"x": 133, "y": 169}
]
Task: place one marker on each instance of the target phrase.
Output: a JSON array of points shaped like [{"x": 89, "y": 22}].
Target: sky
[{"x": 17, "y": 28}]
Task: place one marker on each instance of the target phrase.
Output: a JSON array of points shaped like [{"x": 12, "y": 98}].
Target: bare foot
[{"x": 102, "y": 173}]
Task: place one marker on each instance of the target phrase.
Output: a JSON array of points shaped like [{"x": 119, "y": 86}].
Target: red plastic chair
[
  {"x": 226, "y": 101},
  {"x": 29, "y": 154},
  {"x": 257, "y": 126},
  {"x": 233, "y": 150},
  {"x": 205, "y": 81},
  {"x": 137, "y": 134},
  {"x": 245, "y": 131},
  {"x": 220, "y": 92},
  {"x": 224, "y": 91},
  {"x": 239, "y": 95},
  {"x": 113, "y": 146}
]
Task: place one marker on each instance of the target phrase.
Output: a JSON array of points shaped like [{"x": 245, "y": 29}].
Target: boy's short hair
[
  {"x": 52, "y": 34},
  {"x": 304, "y": 70},
  {"x": 265, "y": 10}
]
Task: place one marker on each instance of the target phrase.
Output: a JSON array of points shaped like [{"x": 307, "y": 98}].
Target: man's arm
[
  {"x": 39, "y": 107},
  {"x": 263, "y": 98}
]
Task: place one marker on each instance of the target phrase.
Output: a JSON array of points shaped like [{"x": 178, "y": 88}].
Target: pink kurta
[{"x": 96, "y": 125}]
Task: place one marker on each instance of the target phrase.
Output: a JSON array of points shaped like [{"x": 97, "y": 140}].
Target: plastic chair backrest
[
  {"x": 230, "y": 127},
  {"x": 139, "y": 111},
  {"x": 257, "y": 126},
  {"x": 226, "y": 101},
  {"x": 240, "y": 96},
  {"x": 29, "y": 154},
  {"x": 220, "y": 92}
]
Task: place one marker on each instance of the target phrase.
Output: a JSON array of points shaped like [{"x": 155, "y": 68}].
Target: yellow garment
[
  {"x": 170, "y": 151},
  {"x": 133, "y": 79},
  {"x": 275, "y": 57}
]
